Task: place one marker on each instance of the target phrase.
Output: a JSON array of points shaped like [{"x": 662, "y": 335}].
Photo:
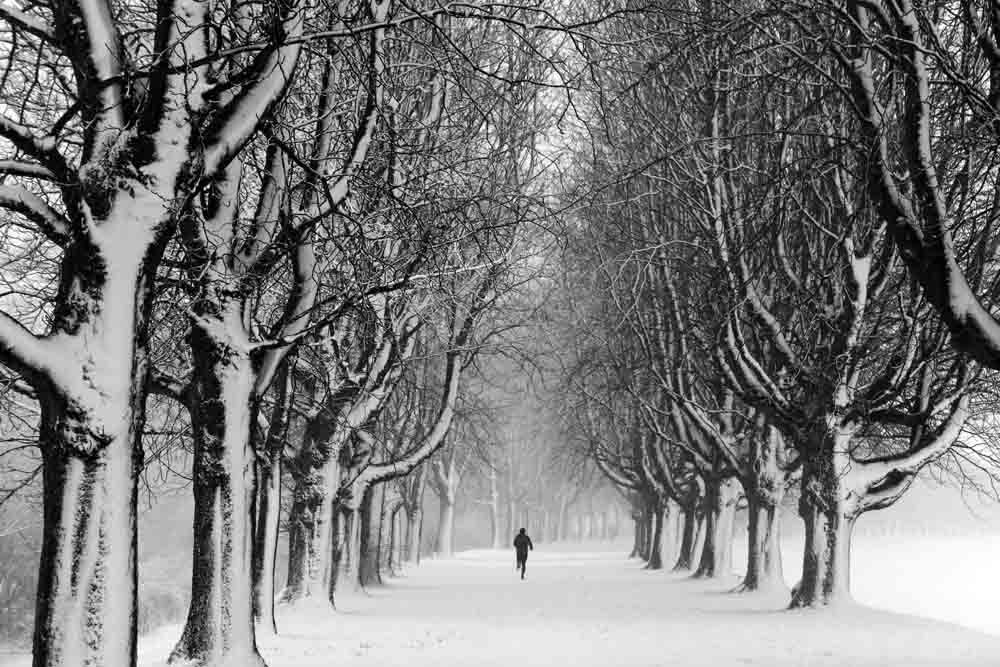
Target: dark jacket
[{"x": 522, "y": 543}]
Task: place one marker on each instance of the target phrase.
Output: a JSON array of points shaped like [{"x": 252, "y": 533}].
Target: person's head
[{"x": 522, "y": 531}]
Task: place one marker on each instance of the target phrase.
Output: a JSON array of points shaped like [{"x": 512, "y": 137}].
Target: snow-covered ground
[{"x": 593, "y": 607}]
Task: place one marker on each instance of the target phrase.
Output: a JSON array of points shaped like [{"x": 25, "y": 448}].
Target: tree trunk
[
  {"x": 561, "y": 520},
  {"x": 346, "y": 531},
  {"x": 671, "y": 531},
  {"x": 92, "y": 400},
  {"x": 636, "y": 536},
  {"x": 829, "y": 510},
  {"x": 512, "y": 518},
  {"x": 370, "y": 516},
  {"x": 300, "y": 540},
  {"x": 446, "y": 525},
  {"x": 414, "y": 521},
  {"x": 219, "y": 627},
  {"x": 497, "y": 539},
  {"x": 86, "y": 597},
  {"x": 689, "y": 539},
  {"x": 266, "y": 543},
  {"x": 720, "y": 515},
  {"x": 655, "y": 560},
  {"x": 765, "y": 488},
  {"x": 395, "y": 539}
]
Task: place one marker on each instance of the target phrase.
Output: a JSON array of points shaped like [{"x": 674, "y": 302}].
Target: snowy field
[{"x": 583, "y": 608}]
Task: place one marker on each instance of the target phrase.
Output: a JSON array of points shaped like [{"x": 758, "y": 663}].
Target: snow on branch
[
  {"x": 268, "y": 77},
  {"x": 42, "y": 149},
  {"x": 26, "y": 169},
  {"x": 106, "y": 58},
  {"x": 22, "y": 350},
  {"x": 55, "y": 227},
  {"x": 32, "y": 24}
]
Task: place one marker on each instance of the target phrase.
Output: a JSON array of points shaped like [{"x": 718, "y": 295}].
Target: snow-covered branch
[
  {"x": 17, "y": 18},
  {"x": 51, "y": 223},
  {"x": 269, "y": 76}
]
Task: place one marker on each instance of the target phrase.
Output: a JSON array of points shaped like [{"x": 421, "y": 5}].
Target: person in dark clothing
[{"x": 521, "y": 545}]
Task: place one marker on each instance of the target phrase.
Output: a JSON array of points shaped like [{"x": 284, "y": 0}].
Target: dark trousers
[{"x": 522, "y": 560}]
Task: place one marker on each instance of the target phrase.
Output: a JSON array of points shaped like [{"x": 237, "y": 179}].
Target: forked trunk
[
  {"x": 266, "y": 543},
  {"x": 219, "y": 627},
  {"x": 765, "y": 489},
  {"x": 764, "y": 571},
  {"x": 92, "y": 418},
  {"x": 720, "y": 515},
  {"x": 829, "y": 510}
]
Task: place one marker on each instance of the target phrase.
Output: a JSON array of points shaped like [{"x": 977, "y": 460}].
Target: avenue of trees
[
  {"x": 782, "y": 271},
  {"x": 319, "y": 263},
  {"x": 262, "y": 243}
]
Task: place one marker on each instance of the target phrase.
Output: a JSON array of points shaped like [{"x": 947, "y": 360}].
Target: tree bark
[
  {"x": 90, "y": 375},
  {"x": 720, "y": 514},
  {"x": 370, "y": 516},
  {"x": 671, "y": 531},
  {"x": 219, "y": 625},
  {"x": 269, "y": 469},
  {"x": 266, "y": 543},
  {"x": 300, "y": 540},
  {"x": 86, "y": 598},
  {"x": 765, "y": 489},
  {"x": 829, "y": 509},
  {"x": 345, "y": 577},
  {"x": 686, "y": 558}
]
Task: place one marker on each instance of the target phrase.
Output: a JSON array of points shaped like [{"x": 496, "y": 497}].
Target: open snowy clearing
[{"x": 597, "y": 608}]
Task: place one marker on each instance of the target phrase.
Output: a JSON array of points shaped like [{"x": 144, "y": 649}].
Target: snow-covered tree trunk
[
  {"x": 86, "y": 596},
  {"x": 446, "y": 526},
  {"x": 266, "y": 547},
  {"x": 219, "y": 625},
  {"x": 300, "y": 540},
  {"x": 269, "y": 470},
  {"x": 345, "y": 578},
  {"x": 671, "y": 531},
  {"x": 829, "y": 507},
  {"x": 765, "y": 490},
  {"x": 720, "y": 514}
]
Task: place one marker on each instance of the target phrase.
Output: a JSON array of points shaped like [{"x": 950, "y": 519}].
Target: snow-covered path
[
  {"x": 582, "y": 609},
  {"x": 596, "y": 608}
]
